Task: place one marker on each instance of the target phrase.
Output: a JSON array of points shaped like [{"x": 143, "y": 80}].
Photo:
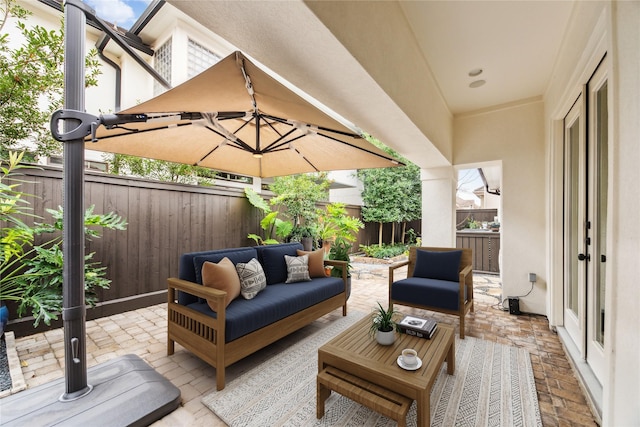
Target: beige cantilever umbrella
[{"x": 235, "y": 117}]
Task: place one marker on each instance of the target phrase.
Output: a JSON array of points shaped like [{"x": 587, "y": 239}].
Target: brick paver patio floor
[{"x": 143, "y": 332}]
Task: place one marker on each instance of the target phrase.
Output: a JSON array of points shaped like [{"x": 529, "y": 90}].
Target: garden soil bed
[{"x": 11, "y": 377}]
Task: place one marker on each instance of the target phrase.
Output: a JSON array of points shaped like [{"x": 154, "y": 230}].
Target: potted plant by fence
[
  {"x": 272, "y": 225},
  {"x": 342, "y": 229},
  {"x": 340, "y": 251},
  {"x": 326, "y": 234},
  {"x": 383, "y": 326},
  {"x": 298, "y": 196},
  {"x": 336, "y": 223},
  {"x": 303, "y": 234}
]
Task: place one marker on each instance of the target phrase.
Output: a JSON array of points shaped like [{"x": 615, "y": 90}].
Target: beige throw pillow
[
  {"x": 316, "y": 262},
  {"x": 221, "y": 276},
  {"x": 252, "y": 278},
  {"x": 297, "y": 268}
]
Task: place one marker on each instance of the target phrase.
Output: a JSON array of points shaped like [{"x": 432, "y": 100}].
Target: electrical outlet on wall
[{"x": 533, "y": 277}]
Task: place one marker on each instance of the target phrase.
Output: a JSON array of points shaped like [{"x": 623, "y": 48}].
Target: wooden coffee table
[{"x": 356, "y": 366}]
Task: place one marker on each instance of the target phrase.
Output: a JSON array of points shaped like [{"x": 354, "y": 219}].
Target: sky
[
  {"x": 469, "y": 180},
  {"x": 123, "y": 13}
]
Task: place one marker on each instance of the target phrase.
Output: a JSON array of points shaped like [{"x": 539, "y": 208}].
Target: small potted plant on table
[{"x": 383, "y": 326}]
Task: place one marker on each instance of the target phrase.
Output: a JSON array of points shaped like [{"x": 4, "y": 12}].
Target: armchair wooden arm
[
  {"x": 465, "y": 272},
  {"x": 393, "y": 268}
]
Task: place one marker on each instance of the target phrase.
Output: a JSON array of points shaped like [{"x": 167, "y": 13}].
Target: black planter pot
[
  {"x": 307, "y": 243},
  {"x": 4, "y": 318}
]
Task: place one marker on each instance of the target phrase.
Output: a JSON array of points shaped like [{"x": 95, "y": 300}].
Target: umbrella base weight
[{"x": 126, "y": 392}]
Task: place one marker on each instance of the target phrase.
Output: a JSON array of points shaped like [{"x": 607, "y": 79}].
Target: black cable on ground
[{"x": 500, "y": 305}]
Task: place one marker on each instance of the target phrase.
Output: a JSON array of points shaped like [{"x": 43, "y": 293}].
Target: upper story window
[
  {"x": 199, "y": 58},
  {"x": 88, "y": 164},
  {"x": 162, "y": 64}
]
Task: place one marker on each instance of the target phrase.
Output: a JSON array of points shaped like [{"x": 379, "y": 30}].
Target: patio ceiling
[{"x": 326, "y": 49}]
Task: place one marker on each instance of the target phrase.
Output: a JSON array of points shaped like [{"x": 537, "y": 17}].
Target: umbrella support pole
[{"x": 125, "y": 390}]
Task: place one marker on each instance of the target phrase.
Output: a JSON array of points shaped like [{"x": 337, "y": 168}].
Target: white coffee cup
[{"x": 409, "y": 357}]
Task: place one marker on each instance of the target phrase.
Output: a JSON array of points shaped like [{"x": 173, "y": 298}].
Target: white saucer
[{"x": 409, "y": 368}]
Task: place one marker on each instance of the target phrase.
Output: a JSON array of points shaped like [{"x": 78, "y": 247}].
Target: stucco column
[{"x": 439, "y": 206}]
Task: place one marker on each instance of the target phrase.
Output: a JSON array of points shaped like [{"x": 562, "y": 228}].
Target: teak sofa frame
[{"x": 204, "y": 335}]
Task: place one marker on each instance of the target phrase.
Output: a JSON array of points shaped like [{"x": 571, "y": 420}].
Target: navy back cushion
[
  {"x": 190, "y": 268},
  {"x": 272, "y": 259},
  {"x": 438, "y": 265},
  {"x": 234, "y": 255}
]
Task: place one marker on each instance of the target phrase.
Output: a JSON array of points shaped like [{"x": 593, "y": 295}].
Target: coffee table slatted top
[{"x": 356, "y": 351}]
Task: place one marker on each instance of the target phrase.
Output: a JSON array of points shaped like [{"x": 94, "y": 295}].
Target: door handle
[{"x": 582, "y": 257}]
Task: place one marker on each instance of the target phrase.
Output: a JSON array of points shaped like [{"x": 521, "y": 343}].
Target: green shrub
[
  {"x": 32, "y": 274},
  {"x": 384, "y": 252}
]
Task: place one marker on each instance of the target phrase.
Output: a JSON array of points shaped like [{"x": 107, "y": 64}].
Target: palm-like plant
[
  {"x": 382, "y": 320},
  {"x": 343, "y": 229},
  {"x": 338, "y": 224},
  {"x": 271, "y": 224}
]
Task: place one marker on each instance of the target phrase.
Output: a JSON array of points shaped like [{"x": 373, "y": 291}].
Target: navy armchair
[{"x": 438, "y": 279}]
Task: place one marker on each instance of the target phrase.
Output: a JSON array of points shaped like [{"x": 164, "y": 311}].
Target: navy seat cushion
[
  {"x": 427, "y": 292},
  {"x": 275, "y": 302},
  {"x": 272, "y": 259},
  {"x": 438, "y": 265}
]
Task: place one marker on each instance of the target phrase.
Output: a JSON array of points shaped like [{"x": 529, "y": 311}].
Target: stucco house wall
[
  {"x": 622, "y": 388},
  {"x": 515, "y": 135}
]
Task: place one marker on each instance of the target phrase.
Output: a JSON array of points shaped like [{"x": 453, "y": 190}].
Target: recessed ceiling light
[
  {"x": 477, "y": 83},
  {"x": 475, "y": 72}
]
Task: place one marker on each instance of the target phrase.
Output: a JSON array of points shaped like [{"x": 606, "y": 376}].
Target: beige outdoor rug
[{"x": 493, "y": 386}]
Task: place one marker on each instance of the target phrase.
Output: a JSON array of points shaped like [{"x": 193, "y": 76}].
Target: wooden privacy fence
[
  {"x": 486, "y": 249},
  {"x": 166, "y": 220}
]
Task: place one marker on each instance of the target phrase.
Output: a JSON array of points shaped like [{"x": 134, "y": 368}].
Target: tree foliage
[
  {"x": 122, "y": 164},
  {"x": 299, "y": 194},
  {"x": 391, "y": 195},
  {"x": 32, "y": 82}
]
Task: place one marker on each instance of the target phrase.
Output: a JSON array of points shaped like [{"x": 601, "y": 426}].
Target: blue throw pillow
[{"x": 438, "y": 265}]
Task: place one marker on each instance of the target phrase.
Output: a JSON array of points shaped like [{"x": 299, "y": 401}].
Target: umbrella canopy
[{"x": 235, "y": 117}]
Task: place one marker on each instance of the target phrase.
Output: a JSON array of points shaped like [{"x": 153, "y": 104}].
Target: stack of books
[{"x": 417, "y": 326}]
